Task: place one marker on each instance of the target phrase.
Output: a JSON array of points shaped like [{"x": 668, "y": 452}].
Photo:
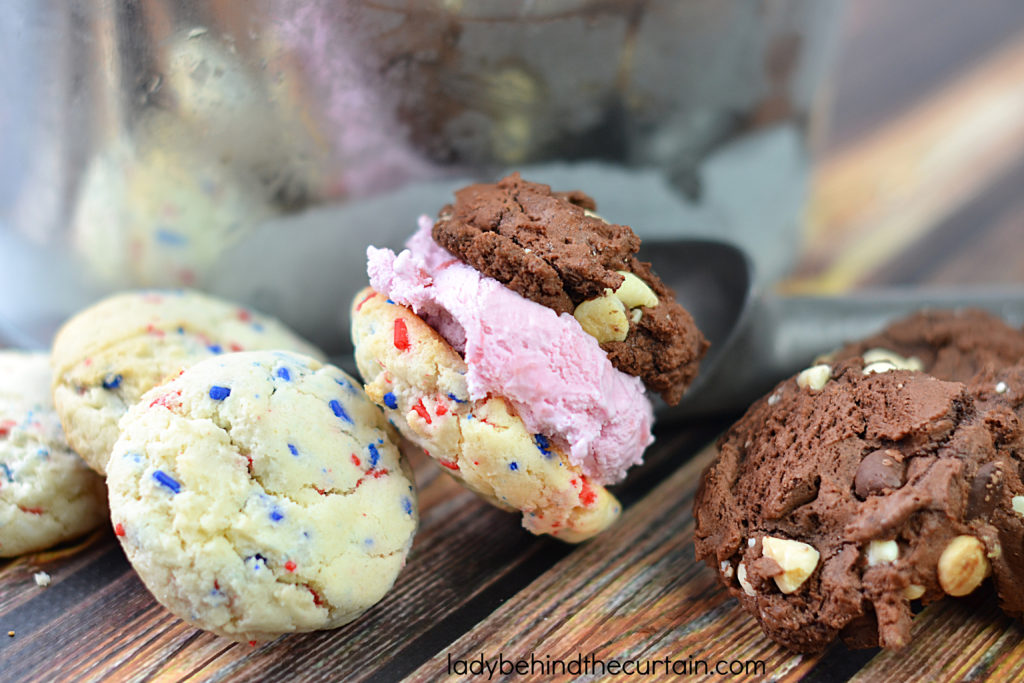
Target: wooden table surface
[{"x": 918, "y": 181}]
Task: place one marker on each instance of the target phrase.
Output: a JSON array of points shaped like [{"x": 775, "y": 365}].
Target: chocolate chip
[
  {"x": 985, "y": 490},
  {"x": 879, "y": 471}
]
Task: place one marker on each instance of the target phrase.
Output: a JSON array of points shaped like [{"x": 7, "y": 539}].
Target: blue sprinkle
[
  {"x": 219, "y": 393},
  {"x": 293, "y": 449},
  {"x": 456, "y": 398},
  {"x": 216, "y": 348},
  {"x": 284, "y": 374},
  {"x": 112, "y": 381},
  {"x": 339, "y": 411},
  {"x": 389, "y": 301},
  {"x": 513, "y": 466},
  {"x": 43, "y": 453},
  {"x": 7, "y": 472},
  {"x": 374, "y": 455},
  {"x": 407, "y": 505},
  {"x": 368, "y": 542},
  {"x": 181, "y": 330},
  {"x": 257, "y": 560},
  {"x": 170, "y": 238},
  {"x": 276, "y": 515},
  {"x": 543, "y": 445},
  {"x": 348, "y": 385},
  {"x": 258, "y": 327},
  {"x": 390, "y": 401},
  {"x": 167, "y": 481}
]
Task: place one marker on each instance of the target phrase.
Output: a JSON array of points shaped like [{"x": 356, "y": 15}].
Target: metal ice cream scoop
[{"x": 758, "y": 339}]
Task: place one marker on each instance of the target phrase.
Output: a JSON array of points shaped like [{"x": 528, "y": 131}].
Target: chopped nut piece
[
  {"x": 797, "y": 559},
  {"x": 603, "y": 318},
  {"x": 898, "y": 362},
  {"x": 814, "y": 377},
  {"x": 741, "y": 576},
  {"x": 1018, "y": 505},
  {"x": 634, "y": 292},
  {"x": 882, "y": 552},
  {"x": 913, "y": 591},
  {"x": 962, "y": 566}
]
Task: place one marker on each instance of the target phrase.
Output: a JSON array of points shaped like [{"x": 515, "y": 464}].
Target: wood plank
[
  {"x": 640, "y": 594},
  {"x": 636, "y": 594}
]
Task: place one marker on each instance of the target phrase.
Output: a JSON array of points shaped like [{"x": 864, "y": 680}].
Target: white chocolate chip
[
  {"x": 898, "y": 362},
  {"x": 1001, "y": 388},
  {"x": 635, "y": 315},
  {"x": 879, "y": 366},
  {"x": 814, "y": 377},
  {"x": 774, "y": 398},
  {"x": 882, "y": 552},
  {"x": 1018, "y": 505},
  {"x": 797, "y": 559},
  {"x": 913, "y": 591},
  {"x": 634, "y": 292},
  {"x": 603, "y": 318},
  {"x": 593, "y": 214},
  {"x": 962, "y": 566},
  {"x": 726, "y": 569},
  {"x": 42, "y": 579},
  {"x": 751, "y": 542},
  {"x": 741, "y": 576}
]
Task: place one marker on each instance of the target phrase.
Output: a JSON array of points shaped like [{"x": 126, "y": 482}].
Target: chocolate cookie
[
  {"x": 951, "y": 345},
  {"x": 549, "y": 248},
  {"x": 856, "y": 487}
]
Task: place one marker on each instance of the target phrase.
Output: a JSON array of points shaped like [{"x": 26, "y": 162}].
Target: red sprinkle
[
  {"x": 234, "y": 346},
  {"x": 119, "y": 529},
  {"x": 356, "y": 461},
  {"x": 317, "y": 600},
  {"x": 321, "y": 491},
  {"x": 244, "y": 315},
  {"x": 154, "y": 331},
  {"x": 368, "y": 297},
  {"x": 587, "y": 495},
  {"x": 289, "y": 566},
  {"x": 441, "y": 409},
  {"x": 5, "y": 427},
  {"x": 249, "y": 458},
  {"x": 252, "y": 643},
  {"x": 449, "y": 464},
  {"x": 421, "y": 410},
  {"x": 31, "y": 511},
  {"x": 401, "y": 335},
  {"x": 167, "y": 400}
]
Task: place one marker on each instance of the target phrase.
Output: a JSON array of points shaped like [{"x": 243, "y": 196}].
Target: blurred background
[{"x": 254, "y": 150}]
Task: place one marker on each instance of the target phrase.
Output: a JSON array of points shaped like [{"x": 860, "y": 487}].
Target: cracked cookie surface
[
  {"x": 419, "y": 379},
  {"x": 839, "y": 498},
  {"x": 107, "y": 356},
  {"x": 547, "y": 247},
  {"x": 47, "y": 494},
  {"x": 261, "y": 493}
]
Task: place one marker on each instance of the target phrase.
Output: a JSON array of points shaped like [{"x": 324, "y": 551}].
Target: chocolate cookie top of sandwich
[{"x": 550, "y": 248}]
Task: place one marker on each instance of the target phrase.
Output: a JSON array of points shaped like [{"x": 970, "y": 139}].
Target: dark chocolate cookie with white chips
[
  {"x": 854, "y": 488},
  {"x": 948, "y": 344}
]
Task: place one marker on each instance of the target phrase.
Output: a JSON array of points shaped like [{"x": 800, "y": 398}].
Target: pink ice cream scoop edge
[{"x": 555, "y": 375}]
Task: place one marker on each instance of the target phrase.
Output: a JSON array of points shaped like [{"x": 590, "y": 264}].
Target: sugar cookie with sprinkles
[
  {"x": 47, "y": 494},
  {"x": 261, "y": 493},
  {"x": 412, "y": 372},
  {"x": 105, "y": 357}
]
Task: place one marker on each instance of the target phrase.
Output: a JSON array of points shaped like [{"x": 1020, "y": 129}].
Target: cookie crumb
[{"x": 42, "y": 579}]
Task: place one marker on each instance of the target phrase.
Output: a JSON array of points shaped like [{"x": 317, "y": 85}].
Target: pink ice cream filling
[{"x": 556, "y": 376}]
